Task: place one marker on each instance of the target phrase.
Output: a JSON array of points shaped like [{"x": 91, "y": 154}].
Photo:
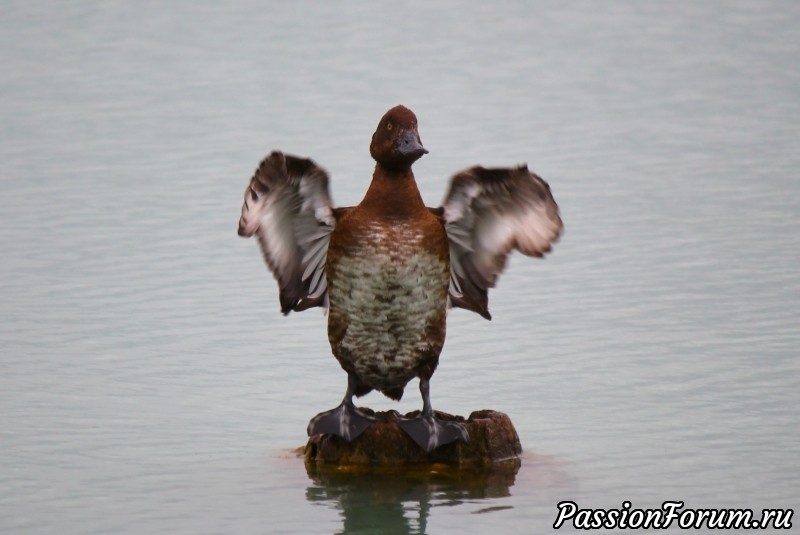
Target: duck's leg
[
  {"x": 428, "y": 431},
  {"x": 345, "y": 420}
]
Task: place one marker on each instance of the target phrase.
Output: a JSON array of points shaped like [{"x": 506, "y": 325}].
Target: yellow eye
[{"x": 389, "y": 126}]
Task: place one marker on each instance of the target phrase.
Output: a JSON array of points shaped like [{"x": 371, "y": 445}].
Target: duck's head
[{"x": 395, "y": 143}]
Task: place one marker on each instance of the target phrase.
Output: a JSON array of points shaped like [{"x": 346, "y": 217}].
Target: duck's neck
[{"x": 393, "y": 193}]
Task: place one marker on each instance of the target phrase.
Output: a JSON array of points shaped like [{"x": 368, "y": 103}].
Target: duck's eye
[{"x": 389, "y": 127}]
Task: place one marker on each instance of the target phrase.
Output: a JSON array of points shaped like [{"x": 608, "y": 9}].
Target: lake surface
[{"x": 148, "y": 382}]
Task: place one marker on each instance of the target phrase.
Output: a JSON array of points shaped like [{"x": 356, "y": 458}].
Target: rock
[{"x": 492, "y": 438}]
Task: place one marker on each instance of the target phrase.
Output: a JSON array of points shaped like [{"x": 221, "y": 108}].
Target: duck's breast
[{"x": 388, "y": 293}]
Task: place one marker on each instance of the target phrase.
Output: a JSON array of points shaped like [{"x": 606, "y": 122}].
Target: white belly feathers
[{"x": 390, "y": 292}]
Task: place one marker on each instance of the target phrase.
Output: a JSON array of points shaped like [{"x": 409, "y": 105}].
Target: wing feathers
[
  {"x": 488, "y": 213},
  {"x": 287, "y": 206}
]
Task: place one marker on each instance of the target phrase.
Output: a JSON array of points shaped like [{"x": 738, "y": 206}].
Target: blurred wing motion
[
  {"x": 487, "y": 213},
  {"x": 288, "y": 208}
]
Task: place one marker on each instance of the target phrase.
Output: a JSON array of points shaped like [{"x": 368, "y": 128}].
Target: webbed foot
[
  {"x": 345, "y": 421},
  {"x": 430, "y": 432}
]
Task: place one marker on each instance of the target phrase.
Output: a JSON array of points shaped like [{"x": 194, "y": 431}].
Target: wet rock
[{"x": 492, "y": 438}]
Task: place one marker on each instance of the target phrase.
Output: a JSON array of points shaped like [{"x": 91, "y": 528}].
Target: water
[{"x": 147, "y": 380}]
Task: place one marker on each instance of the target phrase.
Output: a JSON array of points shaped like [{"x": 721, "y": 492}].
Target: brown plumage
[{"x": 388, "y": 268}]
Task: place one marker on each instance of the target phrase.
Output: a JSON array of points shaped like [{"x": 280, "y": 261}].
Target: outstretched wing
[
  {"x": 487, "y": 213},
  {"x": 288, "y": 208}
]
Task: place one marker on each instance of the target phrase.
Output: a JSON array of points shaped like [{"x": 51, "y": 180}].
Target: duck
[{"x": 388, "y": 270}]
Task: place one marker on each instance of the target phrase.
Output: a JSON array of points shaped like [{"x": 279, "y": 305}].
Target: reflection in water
[{"x": 399, "y": 499}]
